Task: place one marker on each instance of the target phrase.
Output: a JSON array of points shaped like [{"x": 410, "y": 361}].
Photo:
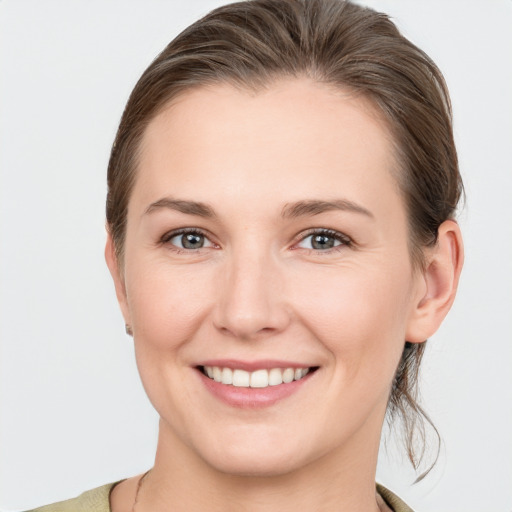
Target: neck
[{"x": 343, "y": 480}]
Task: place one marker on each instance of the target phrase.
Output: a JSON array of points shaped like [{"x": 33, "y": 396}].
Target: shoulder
[
  {"x": 392, "y": 500},
  {"x": 95, "y": 500}
]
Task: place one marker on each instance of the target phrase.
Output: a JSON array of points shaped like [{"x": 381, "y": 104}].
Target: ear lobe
[
  {"x": 440, "y": 281},
  {"x": 118, "y": 278}
]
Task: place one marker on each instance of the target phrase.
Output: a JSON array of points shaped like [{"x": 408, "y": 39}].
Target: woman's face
[{"x": 266, "y": 232}]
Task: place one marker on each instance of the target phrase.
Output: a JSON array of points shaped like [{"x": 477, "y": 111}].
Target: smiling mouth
[{"x": 257, "y": 379}]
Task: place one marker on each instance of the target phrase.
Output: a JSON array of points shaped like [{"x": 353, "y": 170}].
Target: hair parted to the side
[{"x": 250, "y": 44}]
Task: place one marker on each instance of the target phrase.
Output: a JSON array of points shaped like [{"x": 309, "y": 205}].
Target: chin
[
  {"x": 255, "y": 454},
  {"x": 260, "y": 465}
]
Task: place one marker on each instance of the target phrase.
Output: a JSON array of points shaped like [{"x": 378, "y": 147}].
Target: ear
[
  {"x": 438, "y": 283},
  {"x": 118, "y": 277}
]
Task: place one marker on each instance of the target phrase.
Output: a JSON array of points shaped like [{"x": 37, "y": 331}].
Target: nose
[{"x": 251, "y": 302}]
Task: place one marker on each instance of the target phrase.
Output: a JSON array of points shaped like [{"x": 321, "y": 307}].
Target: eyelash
[
  {"x": 184, "y": 231},
  {"x": 344, "y": 240}
]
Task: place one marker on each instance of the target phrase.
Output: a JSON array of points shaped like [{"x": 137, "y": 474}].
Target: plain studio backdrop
[{"x": 73, "y": 412}]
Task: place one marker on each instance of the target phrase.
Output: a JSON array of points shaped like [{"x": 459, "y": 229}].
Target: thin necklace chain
[
  {"x": 139, "y": 485},
  {"x": 382, "y": 506}
]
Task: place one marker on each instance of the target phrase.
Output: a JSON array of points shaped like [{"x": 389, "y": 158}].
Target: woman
[{"x": 281, "y": 238}]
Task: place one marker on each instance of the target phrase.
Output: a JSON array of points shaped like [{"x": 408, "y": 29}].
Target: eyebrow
[
  {"x": 188, "y": 207},
  {"x": 290, "y": 210},
  {"x": 315, "y": 207}
]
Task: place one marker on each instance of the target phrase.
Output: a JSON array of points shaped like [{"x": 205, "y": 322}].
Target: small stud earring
[{"x": 128, "y": 329}]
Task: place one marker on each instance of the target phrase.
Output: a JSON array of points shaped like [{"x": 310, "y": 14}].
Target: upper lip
[{"x": 251, "y": 366}]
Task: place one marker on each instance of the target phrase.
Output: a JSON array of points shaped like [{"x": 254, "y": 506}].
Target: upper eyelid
[
  {"x": 180, "y": 231},
  {"x": 327, "y": 231},
  {"x": 169, "y": 235}
]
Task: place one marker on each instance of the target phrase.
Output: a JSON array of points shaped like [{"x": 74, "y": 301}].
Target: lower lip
[{"x": 252, "y": 398}]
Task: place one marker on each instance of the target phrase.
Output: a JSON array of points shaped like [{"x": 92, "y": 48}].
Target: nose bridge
[{"x": 251, "y": 300}]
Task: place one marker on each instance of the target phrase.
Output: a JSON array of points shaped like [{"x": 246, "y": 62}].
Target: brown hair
[{"x": 250, "y": 44}]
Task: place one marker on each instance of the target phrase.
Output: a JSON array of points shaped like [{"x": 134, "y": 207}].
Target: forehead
[{"x": 295, "y": 139}]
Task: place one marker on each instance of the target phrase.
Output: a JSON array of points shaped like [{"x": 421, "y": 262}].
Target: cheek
[
  {"x": 167, "y": 303},
  {"x": 359, "y": 315}
]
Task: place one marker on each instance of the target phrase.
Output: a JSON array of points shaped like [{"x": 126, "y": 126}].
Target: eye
[
  {"x": 189, "y": 239},
  {"x": 323, "y": 240}
]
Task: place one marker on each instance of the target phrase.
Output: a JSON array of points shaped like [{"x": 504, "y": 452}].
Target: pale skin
[{"x": 270, "y": 171}]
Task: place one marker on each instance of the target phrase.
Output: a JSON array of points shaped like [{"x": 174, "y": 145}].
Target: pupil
[
  {"x": 322, "y": 242},
  {"x": 192, "y": 241}
]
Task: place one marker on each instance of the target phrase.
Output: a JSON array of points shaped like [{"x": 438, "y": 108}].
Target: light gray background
[{"x": 73, "y": 413}]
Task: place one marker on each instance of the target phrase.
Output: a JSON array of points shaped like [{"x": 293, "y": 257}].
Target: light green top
[{"x": 97, "y": 500}]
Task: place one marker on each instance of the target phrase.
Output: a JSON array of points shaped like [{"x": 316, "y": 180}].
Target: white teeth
[
  {"x": 241, "y": 378},
  {"x": 257, "y": 379},
  {"x": 288, "y": 375},
  {"x": 227, "y": 376},
  {"x": 275, "y": 377},
  {"x": 217, "y": 374}
]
